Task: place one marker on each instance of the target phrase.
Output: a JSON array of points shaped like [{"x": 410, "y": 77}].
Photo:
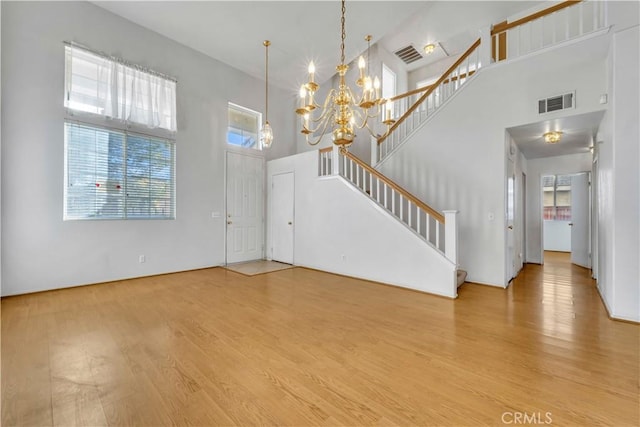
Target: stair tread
[{"x": 461, "y": 276}]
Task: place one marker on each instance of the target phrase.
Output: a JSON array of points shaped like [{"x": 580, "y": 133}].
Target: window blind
[{"x": 111, "y": 174}]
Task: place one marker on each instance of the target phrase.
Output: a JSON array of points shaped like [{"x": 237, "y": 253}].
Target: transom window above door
[{"x": 243, "y": 127}]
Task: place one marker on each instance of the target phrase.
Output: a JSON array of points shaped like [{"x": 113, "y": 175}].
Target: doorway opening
[{"x": 566, "y": 216}]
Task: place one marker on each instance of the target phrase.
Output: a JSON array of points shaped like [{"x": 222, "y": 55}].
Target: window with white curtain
[
  {"x": 109, "y": 87},
  {"x": 119, "y": 139}
]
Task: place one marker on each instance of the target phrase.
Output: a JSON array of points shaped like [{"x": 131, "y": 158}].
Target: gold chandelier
[{"x": 340, "y": 105}]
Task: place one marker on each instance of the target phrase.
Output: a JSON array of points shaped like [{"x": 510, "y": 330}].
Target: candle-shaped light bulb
[
  {"x": 389, "y": 106},
  {"x": 361, "y": 65},
  {"x": 312, "y": 70},
  {"x": 367, "y": 87},
  {"x": 303, "y": 96},
  {"x": 306, "y": 120}
]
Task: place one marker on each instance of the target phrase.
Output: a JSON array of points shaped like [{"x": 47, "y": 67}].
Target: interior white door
[
  {"x": 245, "y": 207},
  {"x": 510, "y": 220},
  {"x": 282, "y": 216},
  {"x": 580, "y": 220}
]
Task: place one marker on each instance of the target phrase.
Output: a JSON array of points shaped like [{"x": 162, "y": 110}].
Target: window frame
[
  {"x": 125, "y": 216},
  {"x": 257, "y": 146}
]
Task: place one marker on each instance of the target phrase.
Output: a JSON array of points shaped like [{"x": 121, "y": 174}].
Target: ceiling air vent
[
  {"x": 555, "y": 103},
  {"x": 408, "y": 54}
]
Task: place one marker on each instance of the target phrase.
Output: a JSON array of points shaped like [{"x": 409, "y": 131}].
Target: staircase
[
  {"x": 504, "y": 41},
  {"x": 552, "y": 27},
  {"x": 365, "y": 221},
  {"x": 436, "y": 230}
]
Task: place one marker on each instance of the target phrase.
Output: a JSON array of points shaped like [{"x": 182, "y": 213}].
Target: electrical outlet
[{"x": 142, "y": 259}]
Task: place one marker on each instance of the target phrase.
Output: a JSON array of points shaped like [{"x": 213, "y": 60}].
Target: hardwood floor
[{"x": 300, "y": 347}]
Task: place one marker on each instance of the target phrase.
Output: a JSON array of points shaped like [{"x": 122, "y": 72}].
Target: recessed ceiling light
[
  {"x": 552, "y": 137},
  {"x": 429, "y": 48}
]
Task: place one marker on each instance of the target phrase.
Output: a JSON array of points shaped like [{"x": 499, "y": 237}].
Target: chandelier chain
[
  {"x": 344, "y": 33},
  {"x": 266, "y": 81}
]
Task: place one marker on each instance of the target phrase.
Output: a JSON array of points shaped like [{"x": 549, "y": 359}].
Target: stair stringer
[
  {"x": 388, "y": 250},
  {"x": 427, "y": 119}
]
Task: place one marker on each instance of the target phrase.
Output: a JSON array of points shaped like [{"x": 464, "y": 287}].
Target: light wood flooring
[{"x": 299, "y": 347}]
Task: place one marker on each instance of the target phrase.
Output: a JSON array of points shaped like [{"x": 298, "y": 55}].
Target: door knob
[
  {"x": 229, "y": 222},
  {"x": 570, "y": 224},
  {"x": 290, "y": 223},
  {"x": 510, "y": 227}
]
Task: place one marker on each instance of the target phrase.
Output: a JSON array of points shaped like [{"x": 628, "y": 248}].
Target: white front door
[
  {"x": 245, "y": 207},
  {"x": 282, "y": 215},
  {"x": 580, "y": 220}
]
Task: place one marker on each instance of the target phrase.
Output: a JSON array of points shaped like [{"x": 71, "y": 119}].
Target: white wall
[
  {"x": 340, "y": 230},
  {"x": 537, "y": 168},
  {"x": 457, "y": 160},
  {"x": 619, "y": 181},
  {"x": 40, "y": 250}
]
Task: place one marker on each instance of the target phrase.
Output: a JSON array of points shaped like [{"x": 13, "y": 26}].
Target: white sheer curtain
[{"x": 111, "y": 88}]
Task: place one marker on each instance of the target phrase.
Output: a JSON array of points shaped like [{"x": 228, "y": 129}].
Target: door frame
[
  {"x": 270, "y": 216},
  {"x": 589, "y": 210},
  {"x": 260, "y": 156}
]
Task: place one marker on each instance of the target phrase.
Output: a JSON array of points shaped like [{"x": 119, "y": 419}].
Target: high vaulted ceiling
[{"x": 233, "y": 31}]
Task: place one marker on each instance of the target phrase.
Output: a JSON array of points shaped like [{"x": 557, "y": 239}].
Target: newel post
[
  {"x": 374, "y": 151},
  {"x": 451, "y": 236},
  {"x": 335, "y": 160},
  {"x": 485, "y": 46}
]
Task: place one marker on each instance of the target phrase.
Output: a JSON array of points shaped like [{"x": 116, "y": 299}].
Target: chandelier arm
[
  {"x": 359, "y": 116},
  {"x": 321, "y": 124},
  {"x": 323, "y": 133},
  {"x": 325, "y": 110},
  {"x": 365, "y": 123},
  {"x": 354, "y": 99}
]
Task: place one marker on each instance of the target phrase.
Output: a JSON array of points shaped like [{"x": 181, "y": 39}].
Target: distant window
[
  {"x": 243, "y": 127},
  {"x": 556, "y": 197},
  {"x": 113, "y": 174}
]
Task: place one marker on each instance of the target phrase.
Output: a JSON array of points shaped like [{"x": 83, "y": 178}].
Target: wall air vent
[
  {"x": 555, "y": 103},
  {"x": 408, "y": 54}
]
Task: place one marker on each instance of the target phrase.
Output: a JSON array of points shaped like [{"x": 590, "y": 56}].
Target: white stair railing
[
  {"x": 440, "y": 231},
  {"x": 559, "y": 23},
  {"x": 411, "y": 113},
  {"x": 507, "y": 40}
]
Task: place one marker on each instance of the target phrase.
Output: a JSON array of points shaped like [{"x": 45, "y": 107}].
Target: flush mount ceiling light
[
  {"x": 429, "y": 48},
  {"x": 552, "y": 137}
]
